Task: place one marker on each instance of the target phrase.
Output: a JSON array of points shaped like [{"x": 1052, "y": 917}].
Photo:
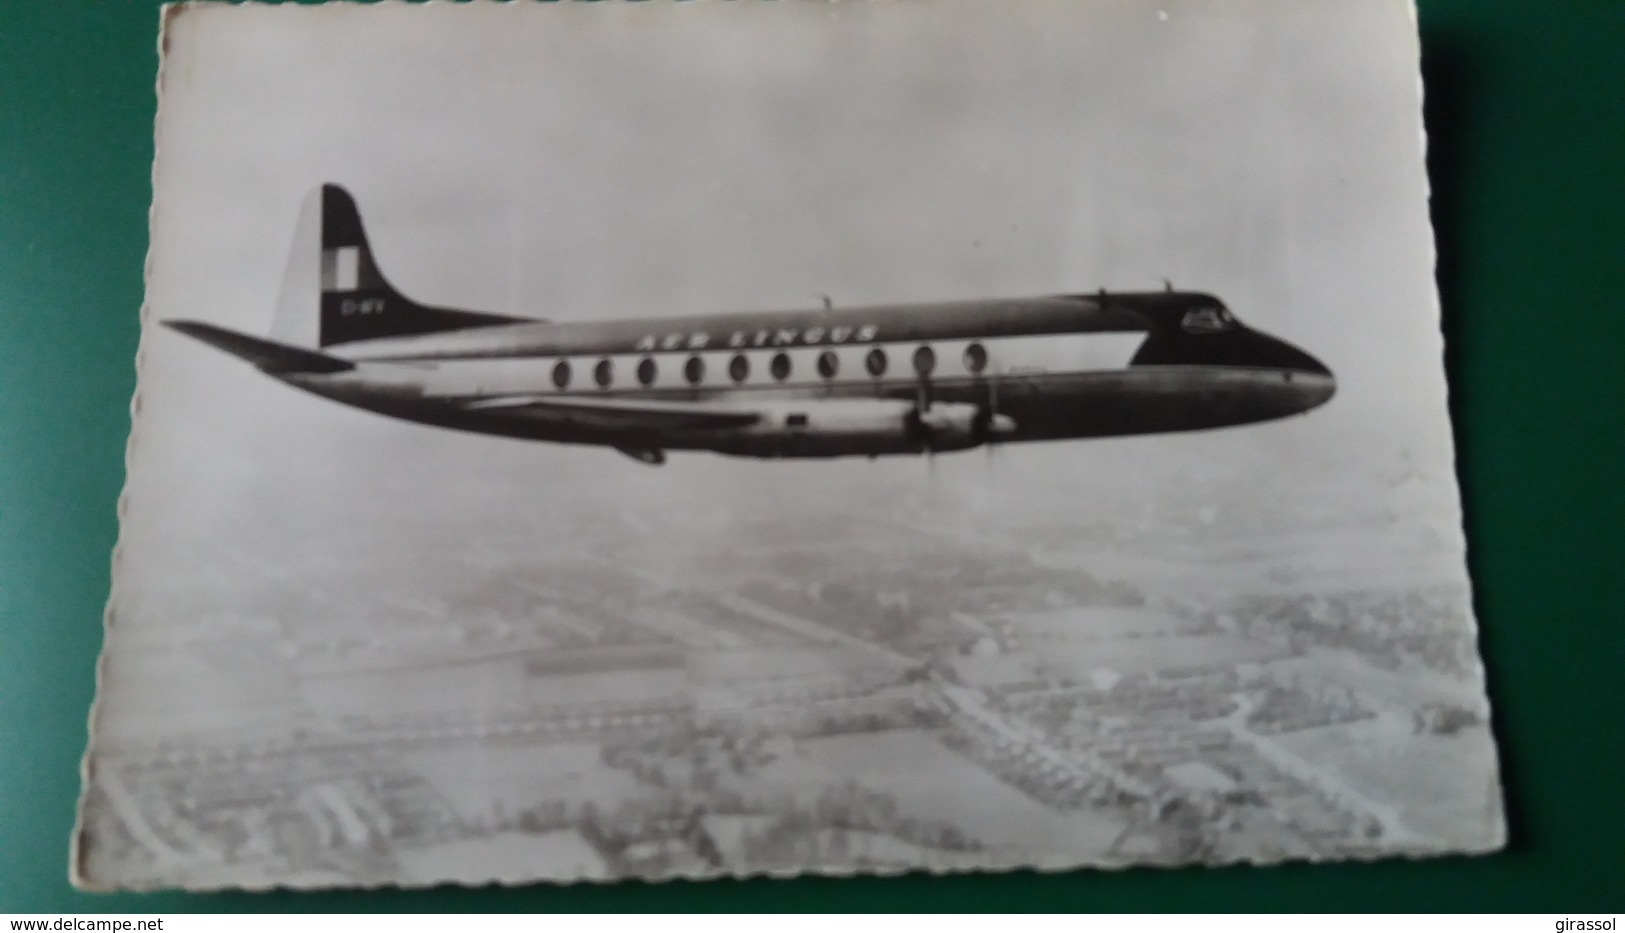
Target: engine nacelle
[
  {"x": 955, "y": 425},
  {"x": 844, "y": 427}
]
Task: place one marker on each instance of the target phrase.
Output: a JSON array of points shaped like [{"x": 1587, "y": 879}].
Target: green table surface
[{"x": 1526, "y": 115}]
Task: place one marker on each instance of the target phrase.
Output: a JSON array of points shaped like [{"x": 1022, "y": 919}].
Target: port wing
[{"x": 625, "y": 414}]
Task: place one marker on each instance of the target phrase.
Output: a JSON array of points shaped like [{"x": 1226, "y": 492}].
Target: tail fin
[{"x": 356, "y": 301}]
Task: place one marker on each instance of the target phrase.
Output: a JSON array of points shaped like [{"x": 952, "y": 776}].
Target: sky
[{"x": 581, "y": 161}]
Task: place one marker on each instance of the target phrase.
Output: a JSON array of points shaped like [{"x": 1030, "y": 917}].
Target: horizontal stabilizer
[{"x": 267, "y": 355}]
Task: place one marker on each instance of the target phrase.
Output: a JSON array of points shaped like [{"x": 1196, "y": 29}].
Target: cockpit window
[{"x": 1208, "y": 319}]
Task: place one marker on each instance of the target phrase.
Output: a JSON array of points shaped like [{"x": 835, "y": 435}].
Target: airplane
[{"x": 827, "y": 382}]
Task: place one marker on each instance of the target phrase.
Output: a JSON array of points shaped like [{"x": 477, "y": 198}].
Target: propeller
[
  {"x": 922, "y": 404},
  {"x": 992, "y": 410},
  {"x": 986, "y": 423}
]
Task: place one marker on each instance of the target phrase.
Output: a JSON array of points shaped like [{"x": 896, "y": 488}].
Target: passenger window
[
  {"x": 828, "y": 364},
  {"x": 797, "y": 420},
  {"x": 647, "y": 371},
  {"x": 925, "y": 360},
  {"x": 975, "y": 358},
  {"x": 875, "y": 362},
  {"x": 739, "y": 368},
  {"x": 561, "y": 374},
  {"x": 780, "y": 367},
  {"x": 694, "y": 370},
  {"x": 603, "y": 373}
]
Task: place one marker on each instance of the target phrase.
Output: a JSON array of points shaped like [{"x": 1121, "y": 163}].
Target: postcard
[{"x": 583, "y": 441}]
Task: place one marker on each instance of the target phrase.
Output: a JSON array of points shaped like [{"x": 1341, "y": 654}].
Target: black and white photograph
[{"x": 602, "y": 440}]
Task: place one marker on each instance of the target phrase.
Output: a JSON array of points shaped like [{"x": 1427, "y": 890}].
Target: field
[
  {"x": 930, "y": 782},
  {"x": 1076, "y": 657},
  {"x": 473, "y": 776},
  {"x": 208, "y": 690},
  {"x": 523, "y": 856},
  {"x": 1419, "y": 774}
]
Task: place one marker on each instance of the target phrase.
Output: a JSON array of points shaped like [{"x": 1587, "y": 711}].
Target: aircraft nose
[
  {"x": 1305, "y": 382},
  {"x": 1293, "y": 381},
  {"x": 1275, "y": 353},
  {"x": 1314, "y": 388},
  {"x": 1312, "y": 381}
]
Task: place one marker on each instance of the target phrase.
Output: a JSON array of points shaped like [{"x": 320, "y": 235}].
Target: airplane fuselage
[
  {"x": 828, "y": 382},
  {"x": 1050, "y": 368}
]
